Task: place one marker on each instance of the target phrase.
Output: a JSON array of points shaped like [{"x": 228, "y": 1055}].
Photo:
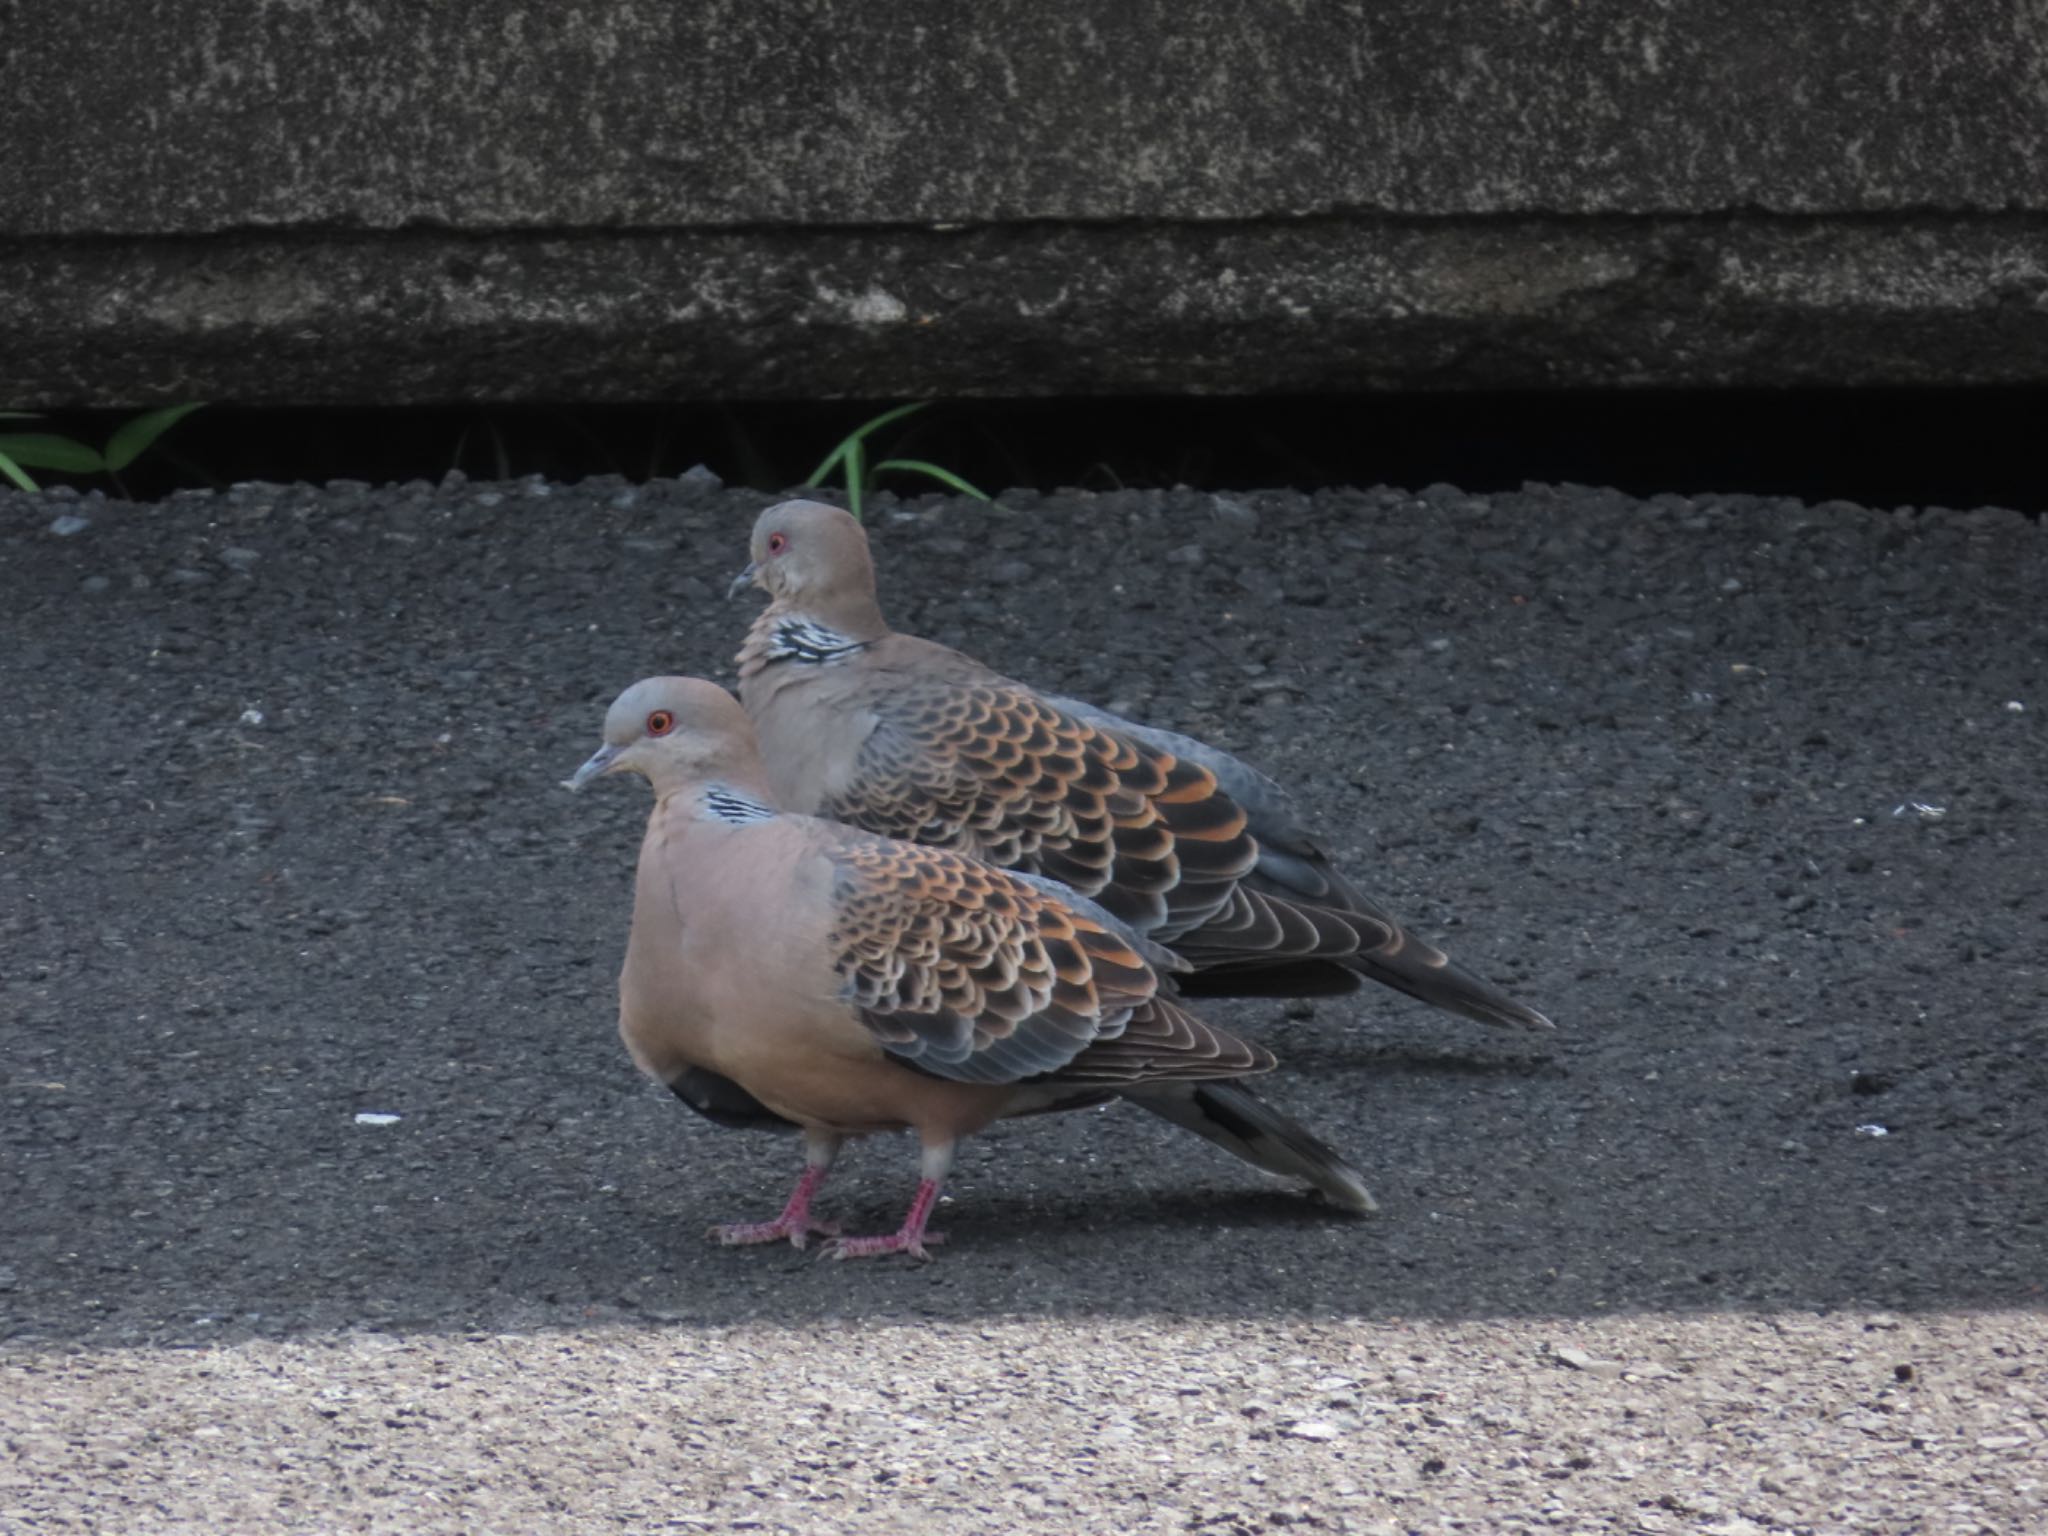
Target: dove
[
  {"x": 786, "y": 969},
  {"x": 1189, "y": 846}
]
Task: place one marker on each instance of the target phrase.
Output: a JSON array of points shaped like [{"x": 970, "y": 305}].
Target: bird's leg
[
  {"x": 911, "y": 1237},
  {"x": 795, "y": 1223}
]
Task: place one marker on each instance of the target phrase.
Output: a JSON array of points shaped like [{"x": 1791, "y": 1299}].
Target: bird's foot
[
  {"x": 909, "y": 1238},
  {"x": 798, "y": 1230},
  {"x": 794, "y": 1223},
  {"x": 912, "y": 1243}
]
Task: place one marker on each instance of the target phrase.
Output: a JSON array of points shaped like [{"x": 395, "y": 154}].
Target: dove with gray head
[{"x": 782, "y": 968}]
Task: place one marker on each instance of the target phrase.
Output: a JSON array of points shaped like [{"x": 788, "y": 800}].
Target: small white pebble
[
  {"x": 1872, "y": 1128},
  {"x": 2015, "y": 707},
  {"x": 252, "y": 717},
  {"x": 370, "y": 1117},
  {"x": 1313, "y": 1429}
]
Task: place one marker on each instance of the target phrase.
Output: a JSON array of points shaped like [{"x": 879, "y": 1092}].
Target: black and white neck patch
[
  {"x": 734, "y": 807},
  {"x": 808, "y": 642}
]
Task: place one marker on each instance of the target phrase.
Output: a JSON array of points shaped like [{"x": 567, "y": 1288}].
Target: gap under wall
[{"x": 1885, "y": 448}]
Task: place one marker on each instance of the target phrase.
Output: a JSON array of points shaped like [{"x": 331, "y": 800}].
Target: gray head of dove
[
  {"x": 813, "y": 558},
  {"x": 674, "y": 731}
]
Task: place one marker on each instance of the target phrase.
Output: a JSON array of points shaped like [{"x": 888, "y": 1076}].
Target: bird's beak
[
  {"x": 744, "y": 580},
  {"x": 601, "y": 762}
]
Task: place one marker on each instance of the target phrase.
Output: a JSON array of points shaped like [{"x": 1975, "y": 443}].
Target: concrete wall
[{"x": 392, "y": 200}]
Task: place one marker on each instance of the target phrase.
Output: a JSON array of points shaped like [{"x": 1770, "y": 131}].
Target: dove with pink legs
[{"x": 784, "y": 968}]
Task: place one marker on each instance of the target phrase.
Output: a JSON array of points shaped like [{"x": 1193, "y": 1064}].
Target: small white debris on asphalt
[
  {"x": 1312, "y": 1429},
  {"x": 1872, "y": 1128},
  {"x": 2015, "y": 707},
  {"x": 252, "y": 717},
  {"x": 1921, "y": 809},
  {"x": 69, "y": 524},
  {"x": 1592, "y": 1365},
  {"x": 371, "y": 1117}
]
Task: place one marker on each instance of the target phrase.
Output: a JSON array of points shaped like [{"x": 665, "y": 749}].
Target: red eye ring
[
  {"x": 660, "y": 723},
  {"x": 777, "y": 543}
]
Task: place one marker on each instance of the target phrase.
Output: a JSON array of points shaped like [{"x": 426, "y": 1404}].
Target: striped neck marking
[
  {"x": 807, "y": 641},
  {"x": 734, "y": 807}
]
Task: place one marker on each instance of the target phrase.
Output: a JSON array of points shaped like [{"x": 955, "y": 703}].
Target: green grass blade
[
  {"x": 849, "y": 446},
  {"x": 134, "y": 436},
  {"x": 875, "y": 423},
  {"x": 943, "y": 476},
  {"x": 13, "y": 472},
  {"x": 846, "y": 446},
  {"x": 46, "y": 450},
  {"x": 856, "y": 475}
]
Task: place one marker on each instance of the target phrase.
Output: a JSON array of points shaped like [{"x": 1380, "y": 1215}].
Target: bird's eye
[
  {"x": 777, "y": 543},
  {"x": 660, "y": 723}
]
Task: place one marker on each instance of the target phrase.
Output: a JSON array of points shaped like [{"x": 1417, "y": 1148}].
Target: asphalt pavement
[{"x": 330, "y": 1202}]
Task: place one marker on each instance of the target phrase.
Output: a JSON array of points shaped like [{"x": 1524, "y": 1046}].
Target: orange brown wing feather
[
  {"x": 994, "y": 771},
  {"x": 972, "y": 973}
]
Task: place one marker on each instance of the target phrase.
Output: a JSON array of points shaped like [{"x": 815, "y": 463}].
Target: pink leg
[
  {"x": 910, "y": 1238},
  {"x": 795, "y": 1221}
]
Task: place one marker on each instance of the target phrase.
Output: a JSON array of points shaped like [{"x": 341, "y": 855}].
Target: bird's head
[
  {"x": 674, "y": 730},
  {"x": 812, "y": 557}
]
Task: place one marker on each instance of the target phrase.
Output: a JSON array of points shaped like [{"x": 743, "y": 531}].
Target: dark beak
[{"x": 744, "y": 580}]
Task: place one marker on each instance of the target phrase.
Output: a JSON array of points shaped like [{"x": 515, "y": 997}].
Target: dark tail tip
[{"x": 1239, "y": 1121}]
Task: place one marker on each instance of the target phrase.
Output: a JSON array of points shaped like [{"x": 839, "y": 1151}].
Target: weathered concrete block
[{"x": 291, "y": 201}]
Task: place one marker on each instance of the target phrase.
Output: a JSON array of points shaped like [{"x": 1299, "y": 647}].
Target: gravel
[{"x": 1746, "y": 793}]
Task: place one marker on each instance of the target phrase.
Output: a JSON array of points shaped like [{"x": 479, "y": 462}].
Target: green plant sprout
[
  {"x": 851, "y": 459},
  {"x": 22, "y": 451},
  {"x": 8, "y": 467}
]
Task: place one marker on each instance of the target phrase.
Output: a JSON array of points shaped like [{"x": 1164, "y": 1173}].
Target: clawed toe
[
  {"x": 796, "y": 1224},
  {"x": 874, "y": 1247},
  {"x": 736, "y": 1234}
]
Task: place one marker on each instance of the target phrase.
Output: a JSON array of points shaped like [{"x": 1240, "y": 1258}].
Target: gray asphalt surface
[{"x": 1747, "y": 794}]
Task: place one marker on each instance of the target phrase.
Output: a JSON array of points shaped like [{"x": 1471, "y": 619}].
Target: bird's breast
[{"x": 811, "y": 736}]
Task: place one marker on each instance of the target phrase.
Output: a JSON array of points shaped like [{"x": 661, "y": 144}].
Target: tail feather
[
  {"x": 1408, "y": 964},
  {"x": 1234, "y": 944},
  {"x": 1273, "y": 943},
  {"x": 1429, "y": 974},
  {"x": 1285, "y": 978},
  {"x": 1242, "y": 1123},
  {"x": 1395, "y": 959}
]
